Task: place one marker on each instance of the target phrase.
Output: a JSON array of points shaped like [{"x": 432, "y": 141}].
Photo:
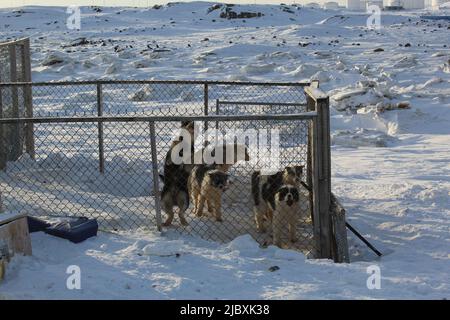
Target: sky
[{"x": 144, "y": 3}]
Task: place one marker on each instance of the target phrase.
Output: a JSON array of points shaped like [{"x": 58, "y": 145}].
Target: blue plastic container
[
  {"x": 76, "y": 230},
  {"x": 36, "y": 225}
]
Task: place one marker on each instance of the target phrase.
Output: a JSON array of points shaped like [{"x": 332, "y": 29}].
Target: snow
[{"x": 390, "y": 166}]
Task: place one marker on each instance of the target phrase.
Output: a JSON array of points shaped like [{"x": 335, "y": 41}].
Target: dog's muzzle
[{"x": 289, "y": 201}]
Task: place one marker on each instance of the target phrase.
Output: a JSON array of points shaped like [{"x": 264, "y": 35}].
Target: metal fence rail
[{"x": 101, "y": 146}]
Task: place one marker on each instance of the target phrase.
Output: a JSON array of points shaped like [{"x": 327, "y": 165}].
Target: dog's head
[
  {"x": 288, "y": 194},
  {"x": 218, "y": 179},
  {"x": 293, "y": 175}
]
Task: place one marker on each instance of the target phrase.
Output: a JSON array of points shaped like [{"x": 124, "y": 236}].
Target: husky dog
[
  {"x": 206, "y": 185},
  {"x": 286, "y": 213},
  {"x": 264, "y": 188},
  {"x": 175, "y": 178}
]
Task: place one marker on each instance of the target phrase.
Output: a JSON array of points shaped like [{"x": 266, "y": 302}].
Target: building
[
  {"x": 406, "y": 4},
  {"x": 313, "y": 5},
  {"x": 331, "y": 5},
  {"x": 378, "y": 3},
  {"x": 413, "y": 4},
  {"x": 356, "y": 5}
]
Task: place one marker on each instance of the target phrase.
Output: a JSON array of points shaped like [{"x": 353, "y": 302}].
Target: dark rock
[
  {"x": 378, "y": 50},
  {"x": 230, "y": 14},
  {"x": 77, "y": 42},
  {"x": 214, "y": 7},
  {"x": 274, "y": 268}
]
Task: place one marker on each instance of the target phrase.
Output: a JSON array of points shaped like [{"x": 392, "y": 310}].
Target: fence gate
[
  {"x": 15, "y": 102},
  {"x": 102, "y": 144}
]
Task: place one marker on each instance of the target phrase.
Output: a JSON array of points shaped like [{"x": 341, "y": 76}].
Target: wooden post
[
  {"x": 16, "y": 141},
  {"x": 311, "y": 106},
  {"x": 156, "y": 192},
  {"x": 28, "y": 99},
  {"x": 324, "y": 174},
  {"x": 321, "y": 169},
  {"x": 101, "y": 151},
  {"x": 14, "y": 238}
]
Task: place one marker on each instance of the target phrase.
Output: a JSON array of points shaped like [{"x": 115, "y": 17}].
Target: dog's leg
[
  {"x": 277, "y": 229},
  {"x": 169, "y": 211},
  {"x": 210, "y": 206},
  {"x": 269, "y": 214},
  {"x": 194, "y": 194},
  {"x": 183, "y": 203},
  {"x": 217, "y": 206},
  {"x": 167, "y": 206},
  {"x": 292, "y": 230},
  {"x": 259, "y": 219},
  {"x": 201, "y": 205}
]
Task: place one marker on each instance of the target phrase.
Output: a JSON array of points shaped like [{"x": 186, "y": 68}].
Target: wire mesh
[{"x": 65, "y": 177}]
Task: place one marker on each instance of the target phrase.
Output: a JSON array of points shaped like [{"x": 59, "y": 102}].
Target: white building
[
  {"x": 331, "y": 5},
  {"x": 413, "y": 4},
  {"x": 406, "y": 4},
  {"x": 356, "y": 5},
  {"x": 378, "y": 3}
]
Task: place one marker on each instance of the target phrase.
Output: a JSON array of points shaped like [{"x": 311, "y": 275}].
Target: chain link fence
[{"x": 100, "y": 148}]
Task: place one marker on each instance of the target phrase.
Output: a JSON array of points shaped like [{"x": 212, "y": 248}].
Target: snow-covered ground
[{"x": 391, "y": 164}]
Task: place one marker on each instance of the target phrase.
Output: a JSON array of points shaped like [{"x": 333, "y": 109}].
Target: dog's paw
[
  {"x": 294, "y": 240},
  {"x": 167, "y": 224},
  {"x": 261, "y": 230},
  {"x": 219, "y": 219},
  {"x": 199, "y": 214},
  {"x": 184, "y": 223}
]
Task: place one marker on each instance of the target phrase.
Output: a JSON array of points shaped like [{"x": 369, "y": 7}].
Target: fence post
[
  {"x": 3, "y": 154},
  {"x": 324, "y": 174},
  {"x": 101, "y": 151},
  {"x": 16, "y": 141},
  {"x": 320, "y": 158},
  {"x": 156, "y": 192},
  {"x": 311, "y": 106},
  {"x": 28, "y": 99},
  {"x": 205, "y": 104}
]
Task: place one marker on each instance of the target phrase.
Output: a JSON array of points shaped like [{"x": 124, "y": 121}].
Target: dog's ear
[
  {"x": 161, "y": 177},
  {"x": 278, "y": 176},
  {"x": 299, "y": 169}
]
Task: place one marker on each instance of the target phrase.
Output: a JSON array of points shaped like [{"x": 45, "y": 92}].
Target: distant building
[
  {"x": 378, "y": 3},
  {"x": 355, "y": 5},
  {"x": 313, "y": 5},
  {"x": 413, "y": 4},
  {"x": 331, "y": 5},
  {"x": 406, "y": 4}
]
